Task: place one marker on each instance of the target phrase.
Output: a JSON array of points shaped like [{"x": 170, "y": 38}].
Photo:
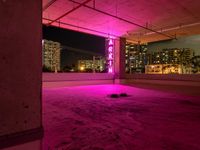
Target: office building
[
  {"x": 97, "y": 64},
  {"x": 136, "y": 57},
  {"x": 51, "y": 55}
]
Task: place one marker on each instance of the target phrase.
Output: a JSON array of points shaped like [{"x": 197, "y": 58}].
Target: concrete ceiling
[{"x": 134, "y": 19}]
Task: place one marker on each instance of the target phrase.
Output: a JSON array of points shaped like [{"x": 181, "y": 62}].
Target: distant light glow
[
  {"x": 110, "y": 58},
  {"x": 82, "y": 68}
]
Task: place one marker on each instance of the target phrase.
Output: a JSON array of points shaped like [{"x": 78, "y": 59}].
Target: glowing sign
[{"x": 110, "y": 57}]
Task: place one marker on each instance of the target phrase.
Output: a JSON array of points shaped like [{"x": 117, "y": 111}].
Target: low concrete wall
[
  {"x": 170, "y": 77},
  {"x": 159, "y": 79},
  {"x": 75, "y": 79},
  {"x": 160, "y": 82},
  {"x": 75, "y": 83}
]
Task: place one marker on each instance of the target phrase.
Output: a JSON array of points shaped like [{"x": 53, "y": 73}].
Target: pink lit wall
[
  {"x": 50, "y": 77},
  {"x": 20, "y": 59},
  {"x": 72, "y": 79},
  {"x": 166, "y": 77},
  {"x": 191, "y": 81}
]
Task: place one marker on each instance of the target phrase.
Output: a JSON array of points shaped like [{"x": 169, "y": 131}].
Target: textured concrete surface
[
  {"x": 20, "y": 69},
  {"x": 53, "y": 77},
  {"x": 178, "y": 17},
  {"x": 34, "y": 145},
  {"x": 86, "y": 118}
]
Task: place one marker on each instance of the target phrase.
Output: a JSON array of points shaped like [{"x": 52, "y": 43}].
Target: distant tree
[
  {"x": 46, "y": 69},
  {"x": 67, "y": 68}
]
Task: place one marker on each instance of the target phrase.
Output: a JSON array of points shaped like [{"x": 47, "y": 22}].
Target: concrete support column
[
  {"x": 120, "y": 47},
  {"x": 20, "y": 71}
]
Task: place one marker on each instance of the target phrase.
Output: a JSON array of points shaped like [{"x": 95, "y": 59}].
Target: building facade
[
  {"x": 51, "y": 55},
  {"x": 97, "y": 64},
  {"x": 173, "y": 60},
  {"x": 165, "y": 61},
  {"x": 136, "y": 57}
]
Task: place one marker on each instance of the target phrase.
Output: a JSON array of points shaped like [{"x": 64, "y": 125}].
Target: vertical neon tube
[{"x": 110, "y": 58}]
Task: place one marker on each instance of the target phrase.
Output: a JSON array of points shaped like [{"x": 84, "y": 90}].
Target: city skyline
[
  {"x": 165, "y": 61},
  {"x": 60, "y": 58}
]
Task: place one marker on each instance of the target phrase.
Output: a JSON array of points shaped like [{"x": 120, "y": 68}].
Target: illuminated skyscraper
[
  {"x": 51, "y": 55},
  {"x": 136, "y": 57},
  {"x": 171, "y": 60},
  {"x": 172, "y": 56}
]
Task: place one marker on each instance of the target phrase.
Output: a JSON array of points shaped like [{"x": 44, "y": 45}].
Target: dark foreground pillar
[{"x": 20, "y": 71}]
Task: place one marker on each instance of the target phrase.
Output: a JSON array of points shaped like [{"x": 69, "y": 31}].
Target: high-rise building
[
  {"x": 136, "y": 57},
  {"x": 172, "y": 56},
  {"x": 171, "y": 60},
  {"x": 157, "y": 58},
  {"x": 51, "y": 55}
]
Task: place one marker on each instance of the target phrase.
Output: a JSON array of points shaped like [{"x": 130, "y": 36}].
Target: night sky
[{"x": 75, "y": 39}]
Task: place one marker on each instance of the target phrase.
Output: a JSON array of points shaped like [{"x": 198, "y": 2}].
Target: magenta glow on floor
[{"x": 86, "y": 118}]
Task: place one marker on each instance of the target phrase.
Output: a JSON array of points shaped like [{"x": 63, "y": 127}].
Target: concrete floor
[{"x": 86, "y": 118}]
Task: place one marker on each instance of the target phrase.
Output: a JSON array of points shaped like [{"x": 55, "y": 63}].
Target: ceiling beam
[
  {"x": 86, "y": 29},
  {"x": 124, "y": 20},
  {"x": 48, "y": 4},
  {"x": 72, "y": 10},
  {"x": 176, "y": 28}
]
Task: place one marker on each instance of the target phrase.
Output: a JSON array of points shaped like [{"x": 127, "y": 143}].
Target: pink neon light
[
  {"x": 110, "y": 55},
  {"x": 110, "y": 70},
  {"x": 110, "y": 42},
  {"x": 110, "y": 63},
  {"x": 110, "y": 49}
]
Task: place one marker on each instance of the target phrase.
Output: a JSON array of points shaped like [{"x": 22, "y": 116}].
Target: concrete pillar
[
  {"x": 120, "y": 47},
  {"x": 20, "y": 70}
]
